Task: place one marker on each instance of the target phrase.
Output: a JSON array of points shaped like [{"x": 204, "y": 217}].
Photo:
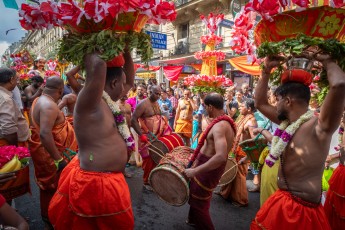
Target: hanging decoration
[
  {"x": 106, "y": 26},
  {"x": 208, "y": 80}
]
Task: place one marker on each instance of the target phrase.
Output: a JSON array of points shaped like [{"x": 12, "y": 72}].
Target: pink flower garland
[
  {"x": 92, "y": 15},
  {"x": 241, "y": 42},
  {"x": 206, "y": 54},
  {"x": 204, "y": 80},
  {"x": 205, "y": 39},
  {"x": 8, "y": 152}
]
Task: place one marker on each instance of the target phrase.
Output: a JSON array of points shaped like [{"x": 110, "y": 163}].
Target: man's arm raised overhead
[
  {"x": 128, "y": 68},
  {"x": 333, "y": 106},
  {"x": 261, "y": 100},
  {"x": 91, "y": 95}
]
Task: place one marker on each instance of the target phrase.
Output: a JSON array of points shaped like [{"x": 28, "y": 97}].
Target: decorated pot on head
[{"x": 298, "y": 70}]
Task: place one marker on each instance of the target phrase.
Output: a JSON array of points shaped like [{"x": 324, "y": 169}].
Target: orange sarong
[
  {"x": 70, "y": 119},
  {"x": 335, "y": 200},
  {"x": 184, "y": 127},
  {"x": 282, "y": 212},
  {"x": 236, "y": 190},
  {"x": 46, "y": 174},
  {"x": 158, "y": 126},
  {"x": 88, "y": 200}
]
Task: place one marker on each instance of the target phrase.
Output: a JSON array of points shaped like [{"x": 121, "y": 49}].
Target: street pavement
[{"x": 152, "y": 213}]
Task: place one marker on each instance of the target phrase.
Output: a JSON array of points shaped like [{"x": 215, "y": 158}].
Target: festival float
[
  {"x": 106, "y": 26},
  {"x": 208, "y": 80},
  {"x": 291, "y": 29},
  {"x": 15, "y": 160}
]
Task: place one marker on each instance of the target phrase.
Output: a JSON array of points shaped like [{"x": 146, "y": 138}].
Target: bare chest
[{"x": 152, "y": 109}]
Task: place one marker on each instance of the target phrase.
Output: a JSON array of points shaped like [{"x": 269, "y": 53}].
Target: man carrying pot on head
[{"x": 302, "y": 144}]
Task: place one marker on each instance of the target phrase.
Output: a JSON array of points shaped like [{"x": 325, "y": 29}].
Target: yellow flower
[{"x": 329, "y": 25}]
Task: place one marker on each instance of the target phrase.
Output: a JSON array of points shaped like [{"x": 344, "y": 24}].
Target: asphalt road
[{"x": 152, "y": 213}]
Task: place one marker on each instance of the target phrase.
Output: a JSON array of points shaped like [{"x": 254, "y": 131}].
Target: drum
[
  {"x": 253, "y": 148},
  {"x": 229, "y": 172},
  {"x": 163, "y": 145},
  {"x": 168, "y": 180}
]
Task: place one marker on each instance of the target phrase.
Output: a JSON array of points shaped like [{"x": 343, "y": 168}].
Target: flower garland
[
  {"x": 283, "y": 136},
  {"x": 120, "y": 122},
  {"x": 207, "y": 54},
  {"x": 8, "y": 152}
]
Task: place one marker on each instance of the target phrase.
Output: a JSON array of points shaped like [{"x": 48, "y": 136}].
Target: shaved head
[
  {"x": 214, "y": 99},
  {"x": 54, "y": 83}
]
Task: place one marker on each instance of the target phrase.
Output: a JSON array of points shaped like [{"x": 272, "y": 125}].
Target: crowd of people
[{"x": 81, "y": 136}]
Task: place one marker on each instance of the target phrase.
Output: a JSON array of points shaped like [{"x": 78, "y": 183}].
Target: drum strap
[{"x": 203, "y": 138}]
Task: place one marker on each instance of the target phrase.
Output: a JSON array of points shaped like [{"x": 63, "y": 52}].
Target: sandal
[
  {"x": 190, "y": 224},
  {"x": 252, "y": 187}
]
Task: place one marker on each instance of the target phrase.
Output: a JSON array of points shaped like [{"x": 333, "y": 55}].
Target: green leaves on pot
[{"x": 110, "y": 44}]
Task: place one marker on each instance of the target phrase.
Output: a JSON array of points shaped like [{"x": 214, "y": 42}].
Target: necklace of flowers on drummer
[
  {"x": 120, "y": 121},
  {"x": 283, "y": 135}
]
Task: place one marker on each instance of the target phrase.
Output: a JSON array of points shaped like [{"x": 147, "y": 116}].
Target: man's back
[{"x": 43, "y": 104}]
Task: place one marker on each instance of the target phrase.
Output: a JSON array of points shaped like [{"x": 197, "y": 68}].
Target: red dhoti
[
  {"x": 335, "y": 200},
  {"x": 236, "y": 190},
  {"x": 283, "y": 212},
  {"x": 158, "y": 126},
  {"x": 201, "y": 188},
  {"x": 88, "y": 200}
]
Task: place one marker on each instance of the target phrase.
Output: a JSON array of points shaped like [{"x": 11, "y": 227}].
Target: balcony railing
[
  {"x": 180, "y": 2},
  {"x": 182, "y": 47}
]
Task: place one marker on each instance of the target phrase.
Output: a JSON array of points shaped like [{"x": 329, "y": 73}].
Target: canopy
[{"x": 242, "y": 64}]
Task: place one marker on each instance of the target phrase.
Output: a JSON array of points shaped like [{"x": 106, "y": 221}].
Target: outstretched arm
[
  {"x": 261, "y": 100},
  {"x": 76, "y": 86},
  {"x": 333, "y": 106},
  {"x": 129, "y": 71},
  {"x": 91, "y": 95}
]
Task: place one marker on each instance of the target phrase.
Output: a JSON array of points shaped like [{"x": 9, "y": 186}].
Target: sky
[{"x": 9, "y": 19}]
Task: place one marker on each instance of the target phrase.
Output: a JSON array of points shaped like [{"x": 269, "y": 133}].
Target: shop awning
[
  {"x": 241, "y": 64},
  {"x": 146, "y": 75}
]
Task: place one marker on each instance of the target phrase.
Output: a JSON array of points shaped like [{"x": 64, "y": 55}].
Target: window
[{"x": 184, "y": 30}]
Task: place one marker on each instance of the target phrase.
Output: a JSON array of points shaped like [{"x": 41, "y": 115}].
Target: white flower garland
[
  {"x": 283, "y": 136},
  {"x": 120, "y": 121}
]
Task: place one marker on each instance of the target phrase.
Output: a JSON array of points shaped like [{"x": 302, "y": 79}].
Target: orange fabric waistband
[{"x": 93, "y": 194}]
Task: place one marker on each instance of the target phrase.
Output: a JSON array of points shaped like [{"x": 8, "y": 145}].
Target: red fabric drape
[{"x": 172, "y": 72}]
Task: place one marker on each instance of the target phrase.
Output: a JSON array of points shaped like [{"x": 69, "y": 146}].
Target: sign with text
[
  {"x": 158, "y": 40},
  {"x": 226, "y": 23}
]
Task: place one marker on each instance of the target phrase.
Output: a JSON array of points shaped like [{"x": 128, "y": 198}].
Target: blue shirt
[{"x": 165, "y": 112}]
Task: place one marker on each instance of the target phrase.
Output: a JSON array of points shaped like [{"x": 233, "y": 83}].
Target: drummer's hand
[
  {"x": 190, "y": 173},
  {"x": 6, "y": 177}
]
